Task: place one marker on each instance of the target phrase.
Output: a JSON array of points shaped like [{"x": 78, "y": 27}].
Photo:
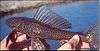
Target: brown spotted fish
[{"x": 45, "y": 25}]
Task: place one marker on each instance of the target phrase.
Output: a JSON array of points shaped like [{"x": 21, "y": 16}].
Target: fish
[{"x": 46, "y": 24}]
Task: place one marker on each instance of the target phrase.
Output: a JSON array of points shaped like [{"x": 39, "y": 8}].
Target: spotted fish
[{"x": 45, "y": 25}]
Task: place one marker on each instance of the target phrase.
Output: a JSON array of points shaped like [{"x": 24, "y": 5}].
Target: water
[{"x": 81, "y": 15}]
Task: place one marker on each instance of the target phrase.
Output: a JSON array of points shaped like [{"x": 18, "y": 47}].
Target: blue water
[{"x": 81, "y": 15}]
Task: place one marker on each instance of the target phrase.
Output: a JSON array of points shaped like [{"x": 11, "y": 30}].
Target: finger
[
  {"x": 85, "y": 45},
  {"x": 21, "y": 38},
  {"x": 21, "y": 42},
  {"x": 3, "y": 44},
  {"x": 71, "y": 44},
  {"x": 18, "y": 39},
  {"x": 66, "y": 46},
  {"x": 13, "y": 37},
  {"x": 74, "y": 41}
]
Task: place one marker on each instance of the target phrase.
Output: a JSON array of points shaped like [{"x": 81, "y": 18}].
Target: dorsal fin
[{"x": 47, "y": 16}]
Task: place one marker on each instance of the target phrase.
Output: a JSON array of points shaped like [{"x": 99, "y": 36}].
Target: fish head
[
  {"x": 16, "y": 22},
  {"x": 12, "y": 22}
]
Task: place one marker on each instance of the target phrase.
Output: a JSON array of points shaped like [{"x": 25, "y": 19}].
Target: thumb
[
  {"x": 74, "y": 41},
  {"x": 71, "y": 44}
]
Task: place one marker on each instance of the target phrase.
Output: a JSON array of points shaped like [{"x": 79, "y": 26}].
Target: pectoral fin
[{"x": 37, "y": 44}]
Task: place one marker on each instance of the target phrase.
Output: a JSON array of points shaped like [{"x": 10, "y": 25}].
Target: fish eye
[{"x": 24, "y": 26}]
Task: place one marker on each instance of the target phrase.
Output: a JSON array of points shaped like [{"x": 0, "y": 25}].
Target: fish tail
[{"x": 91, "y": 36}]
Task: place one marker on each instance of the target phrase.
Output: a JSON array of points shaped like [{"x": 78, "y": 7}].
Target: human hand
[
  {"x": 24, "y": 44},
  {"x": 73, "y": 43},
  {"x": 21, "y": 43}
]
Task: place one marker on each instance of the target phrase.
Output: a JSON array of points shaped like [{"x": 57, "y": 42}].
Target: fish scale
[
  {"x": 36, "y": 29},
  {"x": 45, "y": 26},
  {"x": 40, "y": 30}
]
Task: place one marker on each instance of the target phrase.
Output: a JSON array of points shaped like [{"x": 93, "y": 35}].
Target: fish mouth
[{"x": 10, "y": 22}]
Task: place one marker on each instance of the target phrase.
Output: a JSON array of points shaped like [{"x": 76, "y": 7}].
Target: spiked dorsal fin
[{"x": 47, "y": 16}]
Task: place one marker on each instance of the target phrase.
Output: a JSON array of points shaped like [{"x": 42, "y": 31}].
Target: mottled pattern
[
  {"x": 46, "y": 25},
  {"x": 37, "y": 29},
  {"x": 34, "y": 28}
]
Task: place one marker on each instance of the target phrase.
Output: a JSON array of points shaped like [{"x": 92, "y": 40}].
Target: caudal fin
[{"x": 92, "y": 34}]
